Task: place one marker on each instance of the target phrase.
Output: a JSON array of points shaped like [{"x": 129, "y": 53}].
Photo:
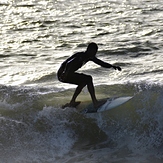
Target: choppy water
[{"x": 36, "y": 37}]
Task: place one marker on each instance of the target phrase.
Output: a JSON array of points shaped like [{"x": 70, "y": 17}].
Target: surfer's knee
[
  {"x": 89, "y": 79},
  {"x": 86, "y": 80}
]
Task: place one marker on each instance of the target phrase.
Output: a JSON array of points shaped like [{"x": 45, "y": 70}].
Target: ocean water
[{"x": 36, "y": 36}]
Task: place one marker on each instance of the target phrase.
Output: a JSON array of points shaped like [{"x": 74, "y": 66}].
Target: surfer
[{"x": 67, "y": 73}]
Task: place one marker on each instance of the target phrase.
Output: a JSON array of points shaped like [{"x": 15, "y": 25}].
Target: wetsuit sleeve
[{"x": 101, "y": 63}]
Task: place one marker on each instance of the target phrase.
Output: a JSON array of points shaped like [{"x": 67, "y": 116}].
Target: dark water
[
  {"x": 35, "y": 129},
  {"x": 36, "y": 37}
]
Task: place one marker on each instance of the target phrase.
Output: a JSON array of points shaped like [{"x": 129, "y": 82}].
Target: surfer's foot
[
  {"x": 71, "y": 104},
  {"x": 74, "y": 104},
  {"x": 99, "y": 103}
]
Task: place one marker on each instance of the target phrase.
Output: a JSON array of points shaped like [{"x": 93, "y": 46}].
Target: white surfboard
[{"x": 109, "y": 104}]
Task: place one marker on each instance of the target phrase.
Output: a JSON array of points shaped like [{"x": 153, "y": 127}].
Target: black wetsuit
[{"x": 72, "y": 64}]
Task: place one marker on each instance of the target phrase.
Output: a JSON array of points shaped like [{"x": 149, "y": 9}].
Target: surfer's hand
[{"x": 117, "y": 68}]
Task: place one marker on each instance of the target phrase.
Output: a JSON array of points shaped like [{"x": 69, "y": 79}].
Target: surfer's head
[{"x": 92, "y": 49}]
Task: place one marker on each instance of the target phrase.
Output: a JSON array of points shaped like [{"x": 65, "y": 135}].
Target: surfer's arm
[{"x": 105, "y": 64}]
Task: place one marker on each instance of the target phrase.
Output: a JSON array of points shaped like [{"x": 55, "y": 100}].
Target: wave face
[
  {"x": 37, "y": 37},
  {"x": 35, "y": 129}
]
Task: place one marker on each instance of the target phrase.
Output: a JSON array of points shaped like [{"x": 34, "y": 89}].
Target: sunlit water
[{"x": 37, "y": 36}]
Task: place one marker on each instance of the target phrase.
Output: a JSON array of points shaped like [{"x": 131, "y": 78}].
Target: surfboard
[{"x": 109, "y": 104}]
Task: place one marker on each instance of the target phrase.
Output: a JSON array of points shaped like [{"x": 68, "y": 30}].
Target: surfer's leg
[
  {"x": 82, "y": 80},
  {"x": 87, "y": 81},
  {"x": 91, "y": 90},
  {"x": 79, "y": 80},
  {"x": 76, "y": 93}
]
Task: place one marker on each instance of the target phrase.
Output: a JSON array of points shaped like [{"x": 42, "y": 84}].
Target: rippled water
[{"x": 36, "y": 36}]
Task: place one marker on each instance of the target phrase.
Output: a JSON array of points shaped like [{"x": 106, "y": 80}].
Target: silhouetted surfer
[{"x": 67, "y": 73}]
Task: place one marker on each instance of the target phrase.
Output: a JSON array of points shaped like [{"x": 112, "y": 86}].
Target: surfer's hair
[{"x": 92, "y": 46}]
